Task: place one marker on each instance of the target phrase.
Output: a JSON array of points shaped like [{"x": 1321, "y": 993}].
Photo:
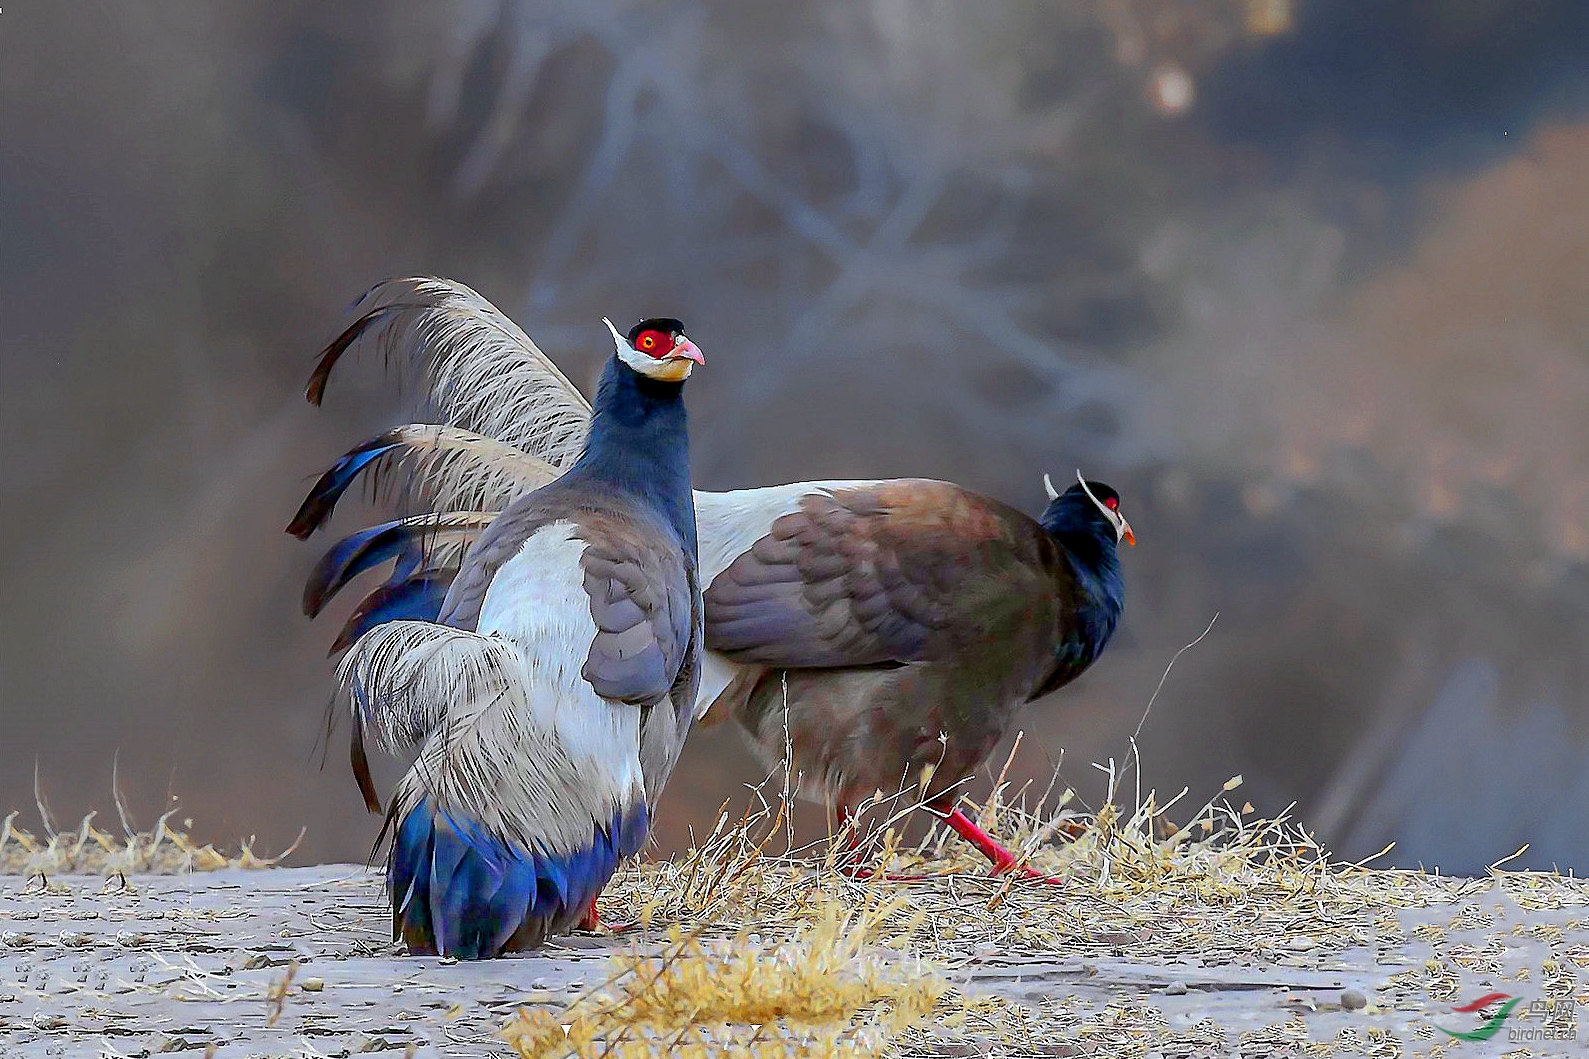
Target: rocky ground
[{"x": 297, "y": 962}]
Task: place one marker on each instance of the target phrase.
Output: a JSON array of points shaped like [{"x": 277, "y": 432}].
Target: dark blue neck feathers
[
  {"x": 639, "y": 444},
  {"x": 1088, "y": 538}
]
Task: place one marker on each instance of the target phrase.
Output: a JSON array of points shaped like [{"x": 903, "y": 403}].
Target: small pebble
[
  {"x": 1300, "y": 943},
  {"x": 312, "y": 985},
  {"x": 1352, "y": 1000},
  {"x": 1175, "y": 989}
]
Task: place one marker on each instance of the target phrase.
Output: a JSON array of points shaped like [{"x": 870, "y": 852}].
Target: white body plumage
[
  {"x": 513, "y": 735},
  {"x": 537, "y": 600}
]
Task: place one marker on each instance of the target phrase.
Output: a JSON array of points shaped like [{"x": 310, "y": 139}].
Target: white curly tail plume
[
  {"x": 473, "y": 367},
  {"x": 492, "y": 748}
]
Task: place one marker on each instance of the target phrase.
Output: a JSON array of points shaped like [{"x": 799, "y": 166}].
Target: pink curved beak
[{"x": 687, "y": 350}]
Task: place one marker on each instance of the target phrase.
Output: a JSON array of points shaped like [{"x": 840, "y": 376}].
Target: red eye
[
  {"x": 654, "y": 343},
  {"x": 1113, "y": 503}
]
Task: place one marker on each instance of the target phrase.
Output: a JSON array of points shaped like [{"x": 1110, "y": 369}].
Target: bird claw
[
  {"x": 1027, "y": 873},
  {"x": 1003, "y": 860},
  {"x": 856, "y": 871},
  {"x": 850, "y": 864},
  {"x": 592, "y": 922}
]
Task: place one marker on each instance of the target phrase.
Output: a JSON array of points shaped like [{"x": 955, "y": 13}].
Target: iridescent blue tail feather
[{"x": 459, "y": 890}]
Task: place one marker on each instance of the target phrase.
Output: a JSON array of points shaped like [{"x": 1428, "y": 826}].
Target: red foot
[
  {"x": 847, "y": 865},
  {"x": 592, "y": 922},
  {"x": 855, "y": 871},
  {"x": 1002, "y": 859}
]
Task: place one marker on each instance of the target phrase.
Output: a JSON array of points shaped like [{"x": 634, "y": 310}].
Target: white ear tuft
[
  {"x": 1095, "y": 501},
  {"x": 617, "y": 339},
  {"x": 1048, "y": 487}
]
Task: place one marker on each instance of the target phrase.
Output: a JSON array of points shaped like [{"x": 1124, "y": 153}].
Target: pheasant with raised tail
[{"x": 544, "y": 656}]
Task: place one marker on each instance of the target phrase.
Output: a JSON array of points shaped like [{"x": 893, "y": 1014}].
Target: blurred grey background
[{"x": 1307, "y": 282}]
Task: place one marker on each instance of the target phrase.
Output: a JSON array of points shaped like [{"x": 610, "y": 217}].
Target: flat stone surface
[{"x": 296, "y": 961}]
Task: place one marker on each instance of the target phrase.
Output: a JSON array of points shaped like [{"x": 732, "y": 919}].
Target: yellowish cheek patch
[{"x": 670, "y": 370}]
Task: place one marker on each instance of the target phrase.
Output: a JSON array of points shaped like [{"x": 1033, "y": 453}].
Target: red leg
[
  {"x": 593, "y": 923},
  {"x": 1002, "y": 859},
  {"x": 847, "y": 866}
]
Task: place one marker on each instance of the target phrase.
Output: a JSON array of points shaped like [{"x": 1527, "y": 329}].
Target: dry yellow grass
[
  {"x": 771, "y": 949},
  {"x": 786, "y": 954},
  {"x": 826, "y": 991},
  {"x": 756, "y": 945},
  {"x": 164, "y": 849}
]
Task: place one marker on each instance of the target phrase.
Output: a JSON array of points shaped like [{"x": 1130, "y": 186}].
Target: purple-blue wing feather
[
  {"x": 639, "y": 599},
  {"x": 636, "y": 575},
  {"x": 417, "y": 542}
]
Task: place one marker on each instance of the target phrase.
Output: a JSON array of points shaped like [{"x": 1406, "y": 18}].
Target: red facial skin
[
  {"x": 658, "y": 345},
  {"x": 654, "y": 344}
]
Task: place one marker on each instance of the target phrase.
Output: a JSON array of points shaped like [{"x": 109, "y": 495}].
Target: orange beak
[{"x": 1126, "y": 534}]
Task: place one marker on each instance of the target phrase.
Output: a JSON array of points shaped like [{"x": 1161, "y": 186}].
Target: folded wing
[{"x": 863, "y": 573}]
